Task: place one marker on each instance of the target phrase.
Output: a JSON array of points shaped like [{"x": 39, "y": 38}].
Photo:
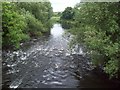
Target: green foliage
[
  {"x": 41, "y": 10},
  {"x": 112, "y": 68},
  {"x": 57, "y": 14},
  {"x": 24, "y": 20},
  {"x": 67, "y": 24},
  {"x": 56, "y": 17},
  {"x": 67, "y": 14},
  {"x": 13, "y": 25},
  {"x": 98, "y": 26},
  {"x": 33, "y": 25},
  {"x": 67, "y": 18}
]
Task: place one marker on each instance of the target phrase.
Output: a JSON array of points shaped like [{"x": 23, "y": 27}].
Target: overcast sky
[{"x": 60, "y": 5}]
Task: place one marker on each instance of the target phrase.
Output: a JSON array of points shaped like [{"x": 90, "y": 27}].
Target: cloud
[{"x": 60, "y": 5}]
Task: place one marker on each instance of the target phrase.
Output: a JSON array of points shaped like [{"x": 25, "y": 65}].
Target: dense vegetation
[
  {"x": 97, "y": 25},
  {"x": 56, "y": 17},
  {"x": 21, "y": 21},
  {"x": 68, "y": 13}
]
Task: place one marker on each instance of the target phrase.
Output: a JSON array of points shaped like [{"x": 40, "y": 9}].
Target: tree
[
  {"x": 98, "y": 27},
  {"x": 13, "y": 25},
  {"x": 68, "y": 13},
  {"x": 22, "y": 21}
]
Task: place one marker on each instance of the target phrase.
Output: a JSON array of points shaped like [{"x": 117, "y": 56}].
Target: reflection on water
[
  {"x": 48, "y": 62},
  {"x": 57, "y": 30}
]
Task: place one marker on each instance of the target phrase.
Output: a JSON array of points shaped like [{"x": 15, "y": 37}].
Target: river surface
[{"x": 48, "y": 62}]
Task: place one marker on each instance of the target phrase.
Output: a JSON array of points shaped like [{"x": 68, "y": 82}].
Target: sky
[{"x": 60, "y": 5}]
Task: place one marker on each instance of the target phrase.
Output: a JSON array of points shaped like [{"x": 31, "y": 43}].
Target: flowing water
[{"x": 49, "y": 63}]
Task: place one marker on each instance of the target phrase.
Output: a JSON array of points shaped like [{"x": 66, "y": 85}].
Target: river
[{"x": 48, "y": 62}]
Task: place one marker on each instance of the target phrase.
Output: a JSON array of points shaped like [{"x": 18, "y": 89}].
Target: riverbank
[
  {"x": 47, "y": 63},
  {"x": 23, "y": 21}
]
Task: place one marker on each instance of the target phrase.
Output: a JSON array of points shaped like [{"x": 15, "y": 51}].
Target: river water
[{"x": 48, "y": 62}]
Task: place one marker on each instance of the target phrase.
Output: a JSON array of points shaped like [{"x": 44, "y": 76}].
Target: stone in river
[
  {"x": 72, "y": 66},
  {"x": 60, "y": 52},
  {"x": 62, "y": 49},
  {"x": 47, "y": 54},
  {"x": 54, "y": 48},
  {"x": 57, "y": 55},
  {"x": 67, "y": 54},
  {"x": 50, "y": 50},
  {"x": 50, "y": 56}
]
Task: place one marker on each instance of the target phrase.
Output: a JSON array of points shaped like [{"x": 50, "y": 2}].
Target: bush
[
  {"x": 24, "y": 20},
  {"x": 13, "y": 25},
  {"x": 98, "y": 26},
  {"x": 34, "y": 26}
]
